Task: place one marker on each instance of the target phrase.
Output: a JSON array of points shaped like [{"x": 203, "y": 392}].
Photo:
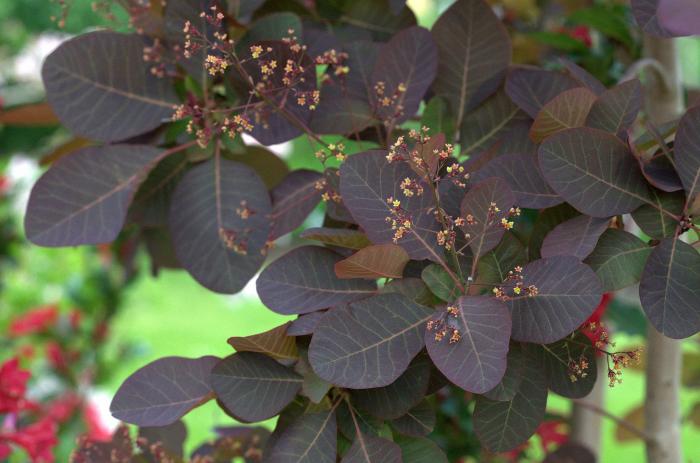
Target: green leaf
[
  {"x": 341, "y": 237},
  {"x": 687, "y": 151},
  {"x": 487, "y": 123},
  {"x": 418, "y": 421},
  {"x": 420, "y": 450},
  {"x": 618, "y": 259},
  {"x": 440, "y": 283},
  {"x": 436, "y": 116},
  {"x": 494, "y": 266},
  {"x": 557, "y": 358},
  {"x": 670, "y": 289}
]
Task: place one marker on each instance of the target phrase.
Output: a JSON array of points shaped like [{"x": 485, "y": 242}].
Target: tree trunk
[
  {"x": 662, "y": 408},
  {"x": 586, "y": 423}
]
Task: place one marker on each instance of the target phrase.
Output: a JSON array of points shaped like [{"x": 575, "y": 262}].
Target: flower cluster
[
  {"x": 514, "y": 286},
  {"x": 443, "y": 326},
  {"x": 392, "y": 101},
  {"x": 577, "y": 368},
  {"x": 399, "y": 219},
  {"x": 332, "y": 150}
]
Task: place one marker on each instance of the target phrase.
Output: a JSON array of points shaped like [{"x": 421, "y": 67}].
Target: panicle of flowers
[
  {"x": 577, "y": 368},
  {"x": 397, "y": 150},
  {"x": 335, "y": 61},
  {"x": 154, "y": 54},
  {"x": 390, "y": 101},
  {"x": 399, "y": 218},
  {"x": 243, "y": 211},
  {"x": 328, "y": 192},
  {"x": 621, "y": 360},
  {"x": 332, "y": 150},
  {"x": 514, "y": 286},
  {"x": 239, "y": 123},
  {"x": 410, "y": 187},
  {"x": 445, "y": 326},
  {"x": 233, "y": 240}
]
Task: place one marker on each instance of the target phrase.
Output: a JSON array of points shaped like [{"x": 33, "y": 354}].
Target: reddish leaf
[
  {"x": 275, "y": 343},
  {"x": 372, "y": 262},
  {"x": 567, "y": 110},
  {"x": 31, "y": 115},
  {"x": 341, "y": 237}
]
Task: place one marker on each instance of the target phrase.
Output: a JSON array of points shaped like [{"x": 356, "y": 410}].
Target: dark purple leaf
[
  {"x": 409, "y": 59},
  {"x": 575, "y": 237},
  {"x": 170, "y": 439},
  {"x": 616, "y": 110},
  {"x": 503, "y": 426},
  {"x": 583, "y": 77},
  {"x": 436, "y": 116},
  {"x": 509, "y": 384},
  {"x": 655, "y": 219},
  {"x": 368, "y": 424},
  {"x": 557, "y": 358},
  {"x": 679, "y": 17},
  {"x": 545, "y": 222},
  {"x": 474, "y": 52},
  {"x": 594, "y": 171},
  {"x": 488, "y": 123},
  {"x": 370, "y": 344},
  {"x": 618, "y": 259},
  {"x": 413, "y": 288},
  {"x": 340, "y": 113},
  {"x": 523, "y": 175},
  {"x": 271, "y": 169},
  {"x": 420, "y": 450},
  {"x": 305, "y": 324},
  {"x": 571, "y": 452},
  {"x": 418, "y": 421},
  {"x": 661, "y": 173},
  {"x": 161, "y": 392},
  {"x": 486, "y": 232},
  {"x": 303, "y": 281},
  {"x": 219, "y": 223},
  {"x": 567, "y": 294},
  {"x": 670, "y": 289},
  {"x": 376, "y": 17},
  {"x": 567, "y": 110},
  {"x": 311, "y": 438},
  {"x": 399, "y": 397},
  {"x": 100, "y": 87},
  {"x": 367, "y": 180},
  {"x": 371, "y": 449},
  {"x": 341, "y": 237},
  {"x": 151, "y": 204},
  {"x": 531, "y": 88},
  {"x": 293, "y": 200},
  {"x": 362, "y": 56},
  {"x": 253, "y": 386},
  {"x": 83, "y": 198},
  {"x": 477, "y": 361},
  {"x": 177, "y": 12},
  {"x": 645, "y": 13},
  {"x": 687, "y": 151}
]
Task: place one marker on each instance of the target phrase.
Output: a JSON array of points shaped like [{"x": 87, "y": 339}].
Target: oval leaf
[
  {"x": 567, "y": 110},
  {"x": 531, "y": 88},
  {"x": 83, "y": 198},
  {"x": 575, "y": 237},
  {"x": 303, "y": 281},
  {"x": 163, "y": 391},
  {"x": 593, "y": 171},
  {"x": 618, "y": 259},
  {"x": 219, "y": 224},
  {"x": 372, "y": 262},
  {"x": 254, "y": 387},
  {"x": 371, "y": 343},
  {"x": 477, "y": 361},
  {"x": 616, "y": 110},
  {"x": 670, "y": 289},
  {"x": 275, "y": 343},
  {"x": 311, "y": 438},
  {"x": 687, "y": 151},
  {"x": 567, "y": 294},
  {"x": 372, "y": 449},
  {"x": 101, "y": 88},
  {"x": 558, "y": 357},
  {"x": 474, "y": 52}
]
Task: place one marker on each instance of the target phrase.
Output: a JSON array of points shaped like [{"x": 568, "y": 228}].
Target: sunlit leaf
[
  {"x": 303, "y": 280},
  {"x": 477, "y": 361},
  {"x": 567, "y": 110},
  {"x": 100, "y": 87},
  {"x": 372, "y": 262},
  {"x": 275, "y": 343},
  {"x": 161, "y": 392},
  {"x": 670, "y": 289},
  {"x": 369, "y": 344},
  {"x": 567, "y": 294},
  {"x": 254, "y": 387},
  {"x": 83, "y": 198}
]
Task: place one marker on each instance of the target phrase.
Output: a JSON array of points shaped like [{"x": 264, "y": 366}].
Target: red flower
[
  {"x": 56, "y": 356},
  {"x": 61, "y": 409},
  {"x": 592, "y": 327},
  {"x": 37, "y": 439},
  {"x": 96, "y": 430},
  {"x": 13, "y": 386},
  {"x": 34, "y": 321},
  {"x": 553, "y": 434}
]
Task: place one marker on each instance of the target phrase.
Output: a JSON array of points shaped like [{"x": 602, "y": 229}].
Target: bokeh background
[{"x": 81, "y": 320}]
